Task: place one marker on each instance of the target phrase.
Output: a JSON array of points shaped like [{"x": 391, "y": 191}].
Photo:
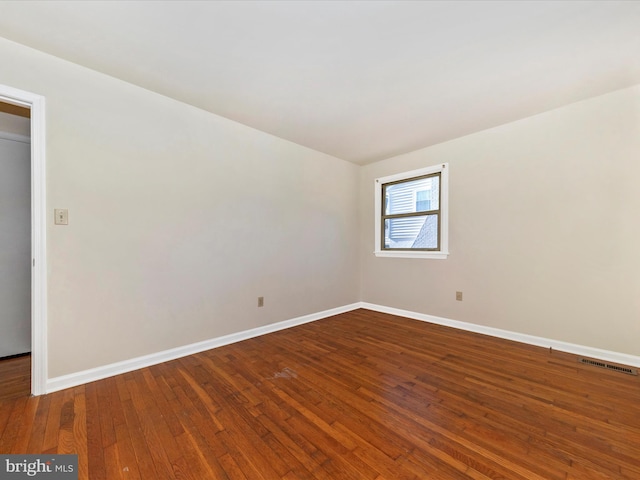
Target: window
[
  {"x": 412, "y": 214},
  {"x": 423, "y": 200}
]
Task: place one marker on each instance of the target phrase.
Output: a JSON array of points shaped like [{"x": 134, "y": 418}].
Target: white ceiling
[{"x": 360, "y": 80}]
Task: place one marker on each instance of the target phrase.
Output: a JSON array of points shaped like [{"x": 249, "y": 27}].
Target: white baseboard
[
  {"x": 98, "y": 373},
  {"x": 86, "y": 376},
  {"x": 591, "y": 352}
]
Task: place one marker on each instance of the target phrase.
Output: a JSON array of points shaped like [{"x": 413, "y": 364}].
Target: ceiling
[{"x": 359, "y": 80}]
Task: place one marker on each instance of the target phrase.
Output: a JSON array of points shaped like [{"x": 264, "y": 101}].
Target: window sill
[{"x": 408, "y": 254}]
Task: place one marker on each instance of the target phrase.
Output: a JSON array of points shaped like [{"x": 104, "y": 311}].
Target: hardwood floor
[
  {"x": 361, "y": 395},
  {"x": 15, "y": 377}
]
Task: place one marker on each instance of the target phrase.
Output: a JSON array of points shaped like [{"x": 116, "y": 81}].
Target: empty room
[{"x": 320, "y": 240}]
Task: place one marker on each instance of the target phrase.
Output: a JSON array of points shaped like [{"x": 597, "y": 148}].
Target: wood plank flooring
[
  {"x": 361, "y": 395},
  {"x": 15, "y": 377}
]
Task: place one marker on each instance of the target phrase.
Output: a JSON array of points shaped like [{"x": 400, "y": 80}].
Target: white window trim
[{"x": 443, "y": 253}]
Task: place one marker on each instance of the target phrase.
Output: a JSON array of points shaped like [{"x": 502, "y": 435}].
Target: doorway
[
  {"x": 32, "y": 251},
  {"x": 15, "y": 250}
]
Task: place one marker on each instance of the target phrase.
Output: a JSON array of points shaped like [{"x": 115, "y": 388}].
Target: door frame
[{"x": 36, "y": 103}]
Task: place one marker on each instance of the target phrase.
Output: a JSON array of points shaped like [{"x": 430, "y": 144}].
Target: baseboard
[
  {"x": 98, "y": 373},
  {"x": 91, "y": 375},
  {"x": 591, "y": 352}
]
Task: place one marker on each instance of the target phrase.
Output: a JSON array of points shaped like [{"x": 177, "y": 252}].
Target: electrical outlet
[
  {"x": 61, "y": 216},
  {"x": 459, "y": 296},
  {"x": 261, "y": 301}
]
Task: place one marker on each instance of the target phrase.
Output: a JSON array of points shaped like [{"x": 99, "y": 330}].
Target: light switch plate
[{"x": 61, "y": 216}]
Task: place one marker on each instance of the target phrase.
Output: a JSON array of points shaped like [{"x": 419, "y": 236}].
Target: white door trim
[{"x": 36, "y": 103}]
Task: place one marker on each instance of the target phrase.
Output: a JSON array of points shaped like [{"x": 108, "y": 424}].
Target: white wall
[
  {"x": 544, "y": 230},
  {"x": 178, "y": 219},
  {"x": 15, "y": 246}
]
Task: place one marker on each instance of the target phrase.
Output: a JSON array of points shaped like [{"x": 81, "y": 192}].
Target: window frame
[{"x": 443, "y": 219}]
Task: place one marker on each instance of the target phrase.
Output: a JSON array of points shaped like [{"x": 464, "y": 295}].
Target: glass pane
[
  {"x": 411, "y": 232},
  {"x": 412, "y": 196}
]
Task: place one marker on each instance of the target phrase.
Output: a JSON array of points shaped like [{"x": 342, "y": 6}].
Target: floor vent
[{"x": 617, "y": 368}]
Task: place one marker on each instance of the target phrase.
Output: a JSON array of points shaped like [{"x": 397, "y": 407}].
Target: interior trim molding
[
  {"x": 582, "y": 350},
  {"x": 98, "y": 373}
]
